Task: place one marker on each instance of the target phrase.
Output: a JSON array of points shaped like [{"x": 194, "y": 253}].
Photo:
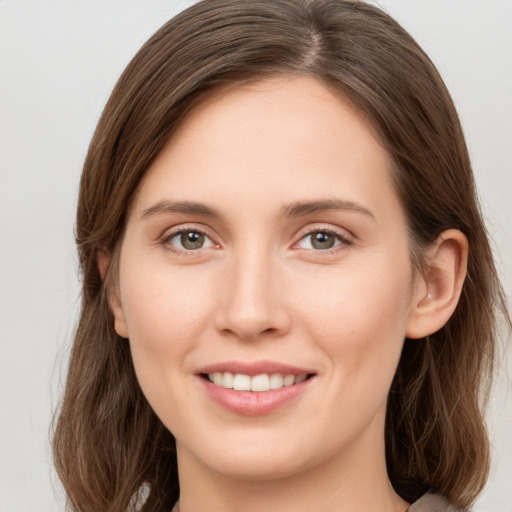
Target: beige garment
[
  {"x": 427, "y": 503},
  {"x": 432, "y": 503}
]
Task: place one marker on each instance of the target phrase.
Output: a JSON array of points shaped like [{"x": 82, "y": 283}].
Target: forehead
[{"x": 289, "y": 136}]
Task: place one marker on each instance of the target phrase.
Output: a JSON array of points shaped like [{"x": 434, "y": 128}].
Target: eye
[
  {"x": 188, "y": 240},
  {"x": 322, "y": 240}
]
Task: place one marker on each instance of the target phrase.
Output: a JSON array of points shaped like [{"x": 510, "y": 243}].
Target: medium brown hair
[{"x": 110, "y": 449}]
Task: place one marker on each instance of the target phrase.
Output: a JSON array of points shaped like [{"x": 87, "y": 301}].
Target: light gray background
[{"x": 58, "y": 63}]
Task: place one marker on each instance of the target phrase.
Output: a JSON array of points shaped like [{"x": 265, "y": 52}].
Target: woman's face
[{"x": 266, "y": 247}]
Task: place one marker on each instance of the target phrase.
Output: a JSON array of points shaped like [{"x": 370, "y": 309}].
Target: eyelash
[
  {"x": 343, "y": 239},
  {"x": 168, "y": 237}
]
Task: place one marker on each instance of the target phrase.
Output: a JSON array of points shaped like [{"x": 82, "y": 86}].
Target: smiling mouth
[{"x": 259, "y": 383}]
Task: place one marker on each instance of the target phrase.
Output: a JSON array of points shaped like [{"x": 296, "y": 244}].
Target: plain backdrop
[{"x": 58, "y": 63}]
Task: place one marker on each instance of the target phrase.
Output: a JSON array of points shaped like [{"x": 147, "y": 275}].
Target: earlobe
[
  {"x": 437, "y": 293},
  {"x": 117, "y": 310},
  {"x": 104, "y": 260}
]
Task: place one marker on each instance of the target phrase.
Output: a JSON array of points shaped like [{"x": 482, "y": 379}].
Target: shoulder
[{"x": 433, "y": 503}]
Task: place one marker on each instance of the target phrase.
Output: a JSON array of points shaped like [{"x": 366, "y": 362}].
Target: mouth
[
  {"x": 254, "y": 388},
  {"x": 259, "y": 383}
]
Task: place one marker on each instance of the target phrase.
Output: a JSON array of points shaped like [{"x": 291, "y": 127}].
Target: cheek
[
  {"x": 164, "y": 310},
  {"x": 359, "y": 317},
  {"x": 166, "y": 314}
]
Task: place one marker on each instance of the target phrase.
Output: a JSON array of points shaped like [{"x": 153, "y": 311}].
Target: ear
[
  {"x": 437, "y": 293},
  {"x": 104, "y": 259}
]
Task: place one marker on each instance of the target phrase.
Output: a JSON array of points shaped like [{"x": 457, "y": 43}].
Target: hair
[{"x": 111, "y": 451}]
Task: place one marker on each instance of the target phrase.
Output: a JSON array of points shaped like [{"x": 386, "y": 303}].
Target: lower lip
[{"x": 254, "y": 403}]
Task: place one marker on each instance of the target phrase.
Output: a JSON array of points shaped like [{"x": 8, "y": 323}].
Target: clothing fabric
[
  {"x": 432, "y": 503},
  {"x": 427, "y": 503}
]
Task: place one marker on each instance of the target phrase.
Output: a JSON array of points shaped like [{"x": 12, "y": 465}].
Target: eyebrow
[
  {"x": 295, "y": 209},
  {"x": 300, "y": 208},
  {"x": 186, "y": 207}
]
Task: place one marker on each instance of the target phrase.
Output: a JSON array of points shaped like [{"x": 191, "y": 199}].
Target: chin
[
  {"x": 259, "y": 468},
  {"x": 250, "y": 460}
]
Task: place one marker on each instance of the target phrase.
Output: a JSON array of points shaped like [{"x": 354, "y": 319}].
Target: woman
[{"x": 277, "y": 195}]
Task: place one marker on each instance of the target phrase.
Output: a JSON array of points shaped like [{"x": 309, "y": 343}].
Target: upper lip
[{"x": 252, "y": 368}]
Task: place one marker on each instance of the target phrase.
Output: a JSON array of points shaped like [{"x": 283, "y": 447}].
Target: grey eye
[
  {"x": 322, "y": 240},
  {"x": 191, "y": 240}
]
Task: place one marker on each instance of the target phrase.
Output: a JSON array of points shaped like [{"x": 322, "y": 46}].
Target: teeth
[
  {"x": 227, "y": 380},
  {"x": 262, "y": 382},
  {"x": 242, "y": 382},
  {"x": 289, "y": 380},
  {"x": 300, "y": 378},
  {"x": 276, "y": 381}
]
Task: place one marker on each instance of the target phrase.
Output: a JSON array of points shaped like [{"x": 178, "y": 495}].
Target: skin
[{"x": 259, "y": 290}]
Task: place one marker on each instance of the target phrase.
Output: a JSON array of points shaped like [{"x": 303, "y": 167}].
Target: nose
[{"x": 252, "y": 301}]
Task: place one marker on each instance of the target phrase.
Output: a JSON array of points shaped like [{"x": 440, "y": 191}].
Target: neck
[{"x": 353, "y": 482}]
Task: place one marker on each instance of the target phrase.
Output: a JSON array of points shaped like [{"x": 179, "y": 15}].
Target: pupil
[
  {"x": 192, "y": 240},
  {"x": 322, "y": 240}
]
